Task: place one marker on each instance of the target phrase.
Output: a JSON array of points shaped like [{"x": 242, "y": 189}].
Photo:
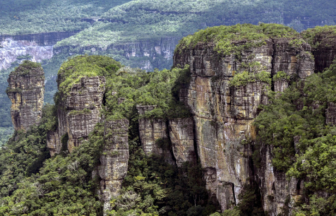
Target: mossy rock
[
  {"x": 321, "y": 36},
  {"x": 75, "y": 68},
  {"x": 27, "y": 68},
  {"x": 233, "y": 39}
]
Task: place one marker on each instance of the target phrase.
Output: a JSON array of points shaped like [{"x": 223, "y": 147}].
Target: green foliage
[
  {"x": 250, "y": 201},
  {"x": 35, "y": 16},
  {"x": 80, "y": 112},
  {"x": 317, "y": 206},
  {"x": 148, "y": 20},
  {"x": 299, "y": 113},
  {"x": 24, "y": 153},
  {"x": 154, "y": 187},
  {"x": 242, "y": 79},
  {"x": 234, "y": 39},
  {"x": 320, "y": 36},
  {"x": 26, "y": 68},
  {"x": 5, "y": 134},
  {"x": 63, "y": 185},
  {"x": 280, "y": 76},
  {"x": 291, "y": 114},
  {"x": 78, "y": 67},
  {"x": 159, "y": 88}
]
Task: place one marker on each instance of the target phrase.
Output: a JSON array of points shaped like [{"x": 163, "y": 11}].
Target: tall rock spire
[{"x": 26, "y": 92}]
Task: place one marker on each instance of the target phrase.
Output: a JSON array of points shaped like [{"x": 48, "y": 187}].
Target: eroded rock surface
[
  {"x": 26, "y": 92},
  {"x": 78, "y": 112},
  {"x": 224, "y": 114},
  {"x": 154, "y": 132},
  {"x": 181, "y": 133},
  {"x": 113, "y": 161}
]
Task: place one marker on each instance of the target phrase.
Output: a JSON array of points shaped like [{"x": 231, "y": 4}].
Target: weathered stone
[
  {"x": 181, "y": 133},
  {"x": 324, "y": 47},
  {"x": 151, "y": 131},
  {"x": 224, "y": 114},
  {"x": 26, "y": 92},
  {"x": 78, "y": 112},
  {"x": 280, "y": 85},
  {"x": 113, "y": 161},
  {"x": 277, "y": 192},
  {"x": 54, "y": 143}
]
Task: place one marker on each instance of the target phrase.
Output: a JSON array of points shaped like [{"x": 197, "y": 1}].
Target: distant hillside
[
  {"x": 151, "y": 20},
  {"x": 39, "y": 16}
]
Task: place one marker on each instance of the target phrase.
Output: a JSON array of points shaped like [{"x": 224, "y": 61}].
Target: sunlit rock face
[
  {"x": 224, "y": 114},
  {"x": 26, "y": 92},
  {"x": 113, "y": 160},
  {"x": 12, "y": 50},
  {"x": 78, "y": 112}
]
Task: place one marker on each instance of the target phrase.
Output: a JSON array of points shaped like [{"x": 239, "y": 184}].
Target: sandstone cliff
[
  {"x": 113, "y": 160},
  {"x": 26, "y": 92},
  {"x": 223, "y": 114},
  {"x": 78, "y": 112}
]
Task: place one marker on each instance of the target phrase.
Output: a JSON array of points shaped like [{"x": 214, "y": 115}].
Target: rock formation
[
  {"x": 78, "y": 112},
  {"x": 224, "y": 114},
  {"x": 154, "y": 132},
  {"x": 113, "y": 161},
  {"x": 181, "y": 134},
  {"x": 26, "y": 92}
]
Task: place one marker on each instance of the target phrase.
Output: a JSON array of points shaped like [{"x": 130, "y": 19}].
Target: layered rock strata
[
  {"x": 181, "y": 134},
  {"x": 153, "y": 133},
  {"x": 113, "y": 160},
  {"x": 26, "y": 92},
  {"x": 78, "y": 112},
  {"x": 224, "y": 114}
]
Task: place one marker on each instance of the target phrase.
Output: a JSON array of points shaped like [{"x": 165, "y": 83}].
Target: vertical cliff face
[
  {"x": 113, "y": 160},
  {"x": 181, "y": 134},
  {"x": 154, "y": 134},
  {"x": 322, "y": 40},
  {"x": 26, "y": 92},
  {"x": 78, "y": 112},
  {"x": 224, "y": 113}
]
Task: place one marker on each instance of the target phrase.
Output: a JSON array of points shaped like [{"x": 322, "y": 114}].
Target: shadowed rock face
[
  {"x": 325, "y": 51},
  {"x": 113, "y": 161},
  {"x": 224, "y": 114},
  {"x": 181, "y": 133},
  {"x": 151, "y": 132},
  {"x": 78, "y": 113},
  {"x": 26, "y": 92}
]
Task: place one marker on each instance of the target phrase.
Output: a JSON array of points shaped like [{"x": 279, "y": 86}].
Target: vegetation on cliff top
[
  {"x": 320, "y": 36},
  {"x": 234, "y": 39},
  {"x": 135, "y": 86},
  {"x": 27, "y": 67}
]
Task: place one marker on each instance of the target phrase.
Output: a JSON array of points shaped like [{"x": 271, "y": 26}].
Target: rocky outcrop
[
  {"x": 324, "y": 46},
  {"x": 154, "y": 135},
  {"x": 113, "y": 160},
  {"x": 278, "y": 193},
  {"x": 26, "y": 92},
  {"x": 224, "y": 114},
  {"x": 78, "y": 112},
  {"x": 181, "y": 134}
]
